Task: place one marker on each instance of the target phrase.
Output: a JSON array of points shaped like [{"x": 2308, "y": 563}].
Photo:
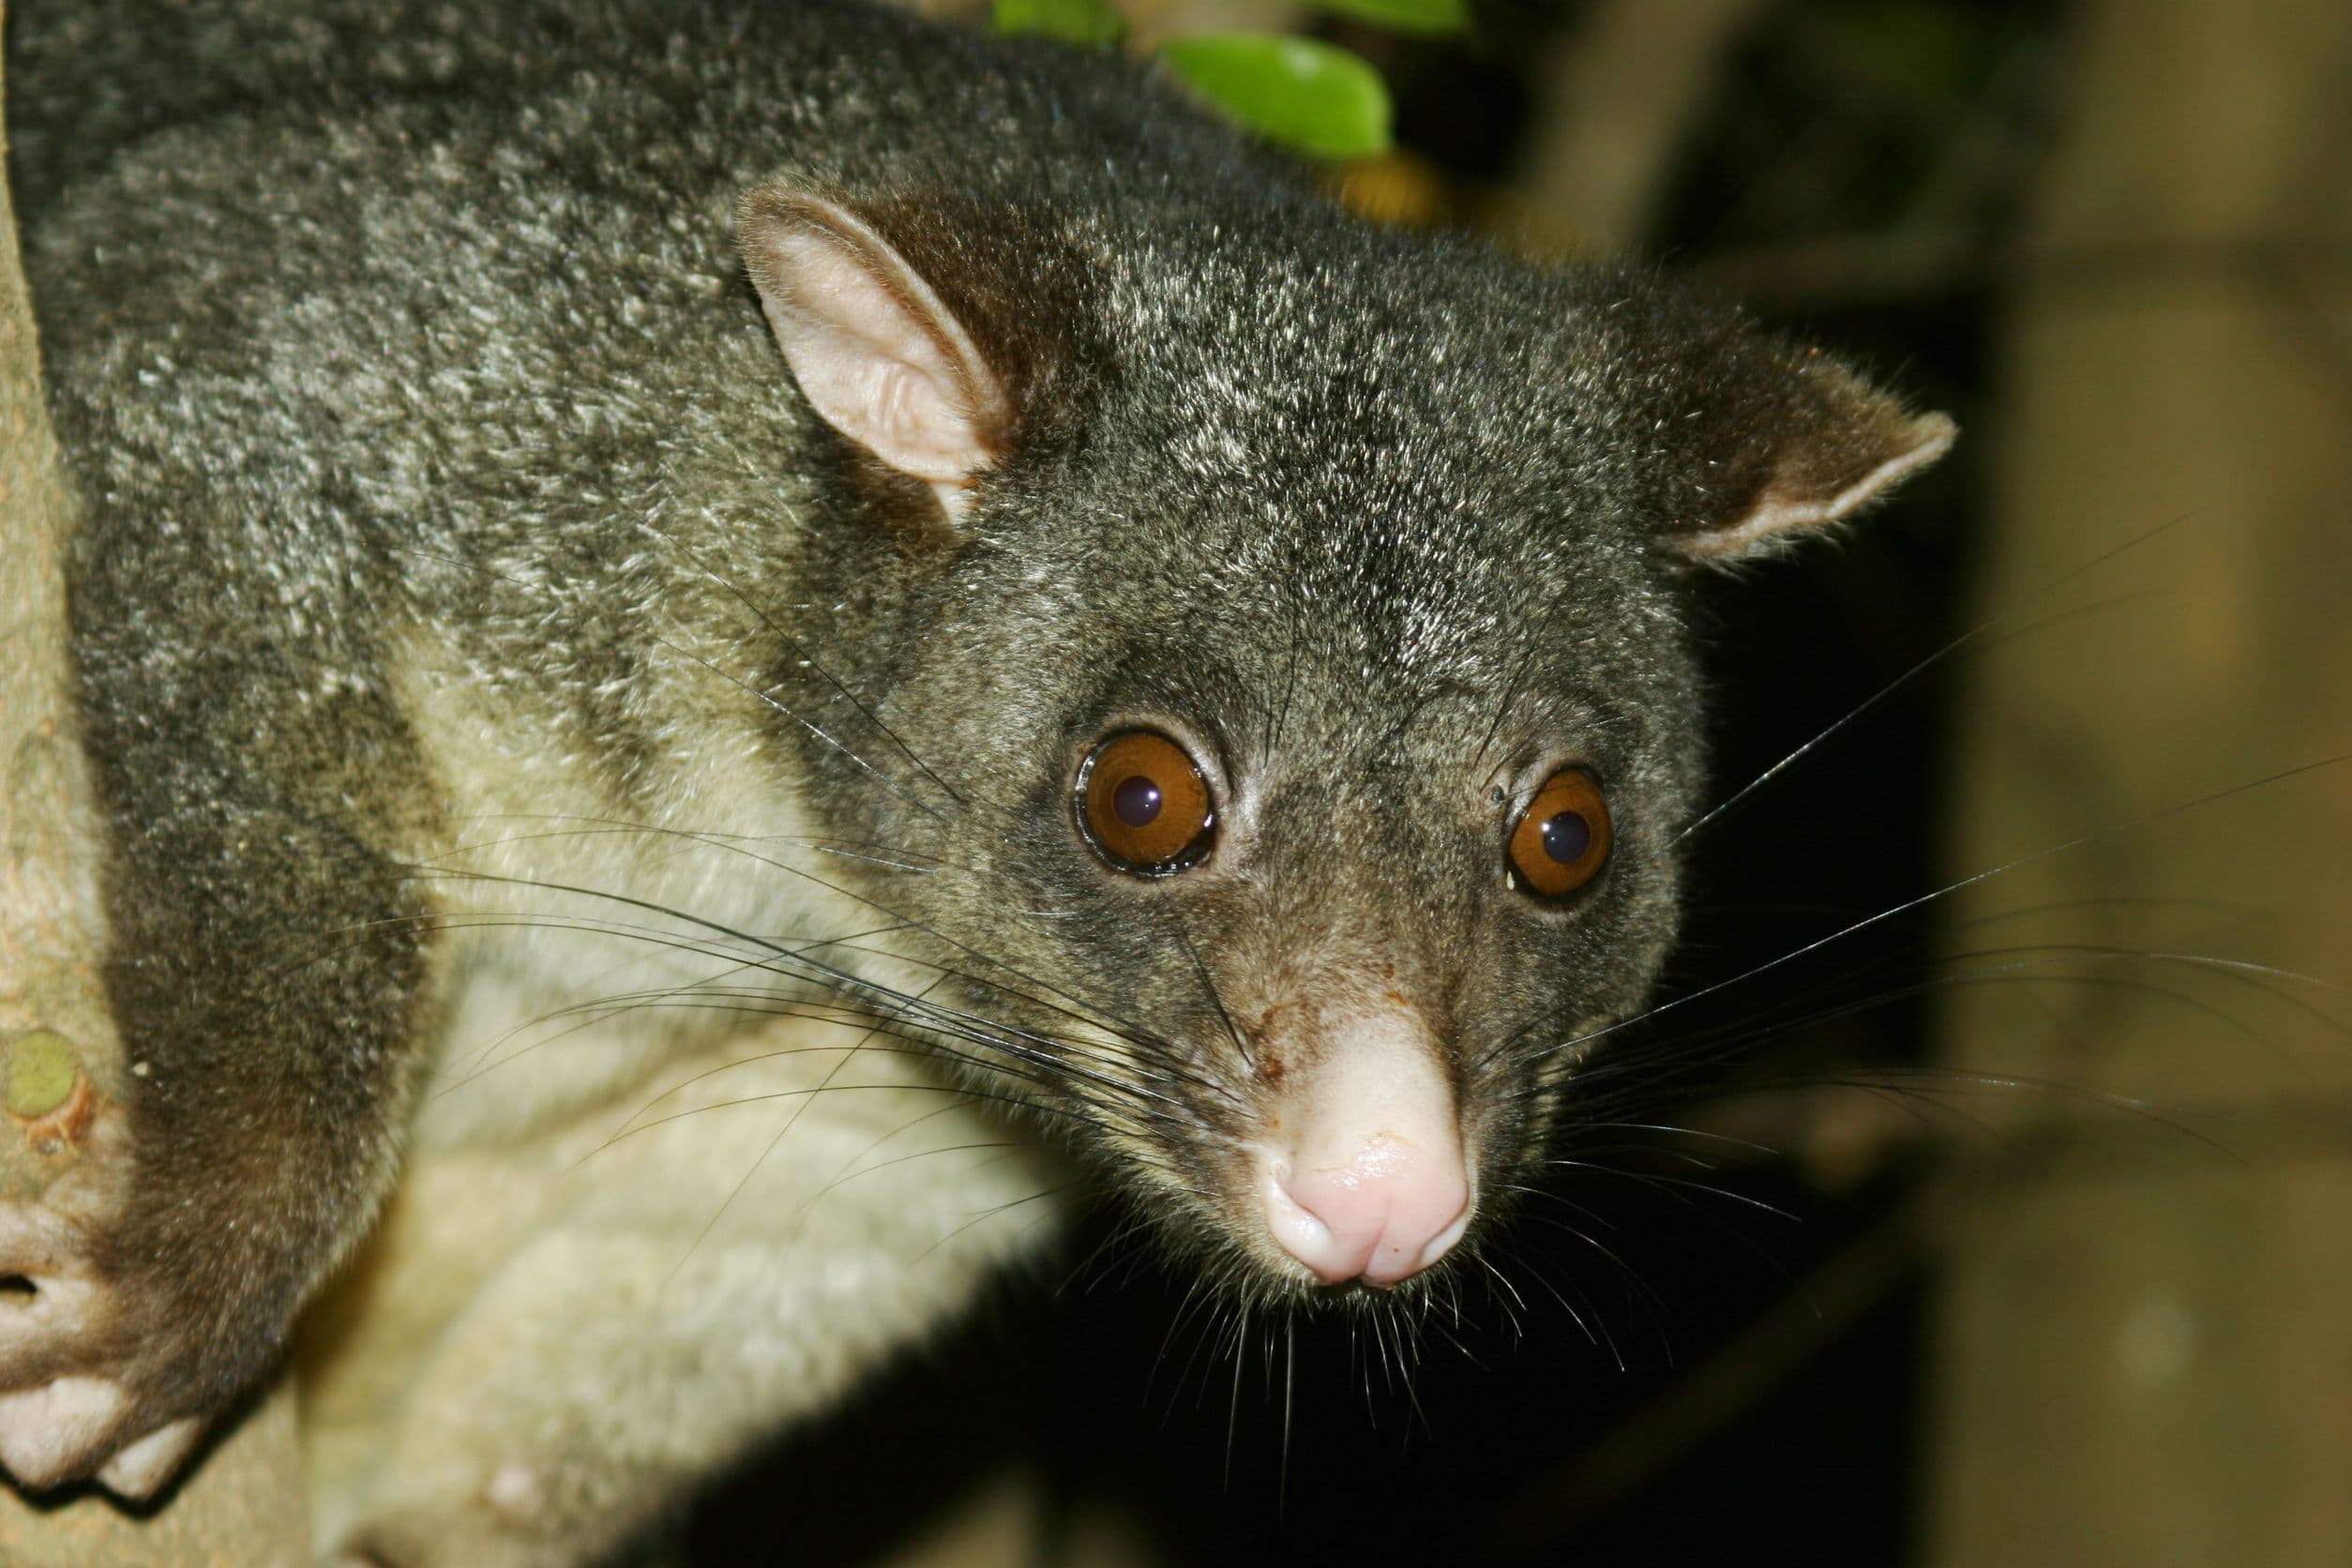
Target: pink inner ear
[
  {"x": 1817, "y": 501},
  {"x": 874, "y": 348}
]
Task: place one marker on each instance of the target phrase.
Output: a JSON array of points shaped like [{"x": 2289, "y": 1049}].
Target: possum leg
[
  {"x": 266, "y": 968},
  {"x": 549, "y": 1346}
]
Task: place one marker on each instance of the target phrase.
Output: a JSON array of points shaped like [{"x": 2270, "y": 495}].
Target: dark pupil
[
  {"x": 1137, "y": 800},
  {"x": 1566, "y": 837}
]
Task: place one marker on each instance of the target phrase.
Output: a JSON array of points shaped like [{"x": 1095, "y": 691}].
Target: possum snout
[{"x": 1360, "y": 1172}]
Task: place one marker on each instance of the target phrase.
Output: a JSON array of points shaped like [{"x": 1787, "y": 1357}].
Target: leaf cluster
[{"x": 1312, "y": 97}]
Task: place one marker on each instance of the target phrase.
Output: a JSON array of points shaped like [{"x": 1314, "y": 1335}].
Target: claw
[
  {"x": 139, "y": 1470},
  {"x": 51, "y": 1433}
]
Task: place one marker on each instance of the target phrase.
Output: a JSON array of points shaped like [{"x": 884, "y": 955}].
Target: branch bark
[{"x": 62, "y": 1060}]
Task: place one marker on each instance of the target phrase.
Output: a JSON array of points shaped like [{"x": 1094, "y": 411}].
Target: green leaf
[
  {"x": 1405, "y": 16},
  {"x": 1322, "y": 100},
  {"x": 1090, "y": 23}
]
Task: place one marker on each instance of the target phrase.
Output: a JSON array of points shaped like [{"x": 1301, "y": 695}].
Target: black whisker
[
  {"x": 1972, "y": 635},
  {"x": 810, "y": 658},
  {"x": 1950, "y": 888}
]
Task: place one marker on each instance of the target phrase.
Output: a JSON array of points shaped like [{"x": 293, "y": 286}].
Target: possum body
[{"x": 727, "y": 646}]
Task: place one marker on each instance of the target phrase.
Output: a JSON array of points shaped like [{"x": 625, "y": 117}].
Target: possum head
[{"x": 1294, "y": 619}]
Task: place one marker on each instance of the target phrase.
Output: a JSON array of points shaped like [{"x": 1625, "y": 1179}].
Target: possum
[{"x": 728, "y": 648}]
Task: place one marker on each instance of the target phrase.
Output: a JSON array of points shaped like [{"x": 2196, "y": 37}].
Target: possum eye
[
  {"x": 1143, "y": 806},
  {"x": 1562, "y": 840}
]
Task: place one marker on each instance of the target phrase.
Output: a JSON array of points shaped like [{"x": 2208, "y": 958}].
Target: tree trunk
[
  {"x": 1622, "y": 91},
  {"x": 2146, "y": 1346}
]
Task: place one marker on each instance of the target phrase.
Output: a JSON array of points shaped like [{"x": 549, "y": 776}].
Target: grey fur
[{"x": 365, "y": 318}]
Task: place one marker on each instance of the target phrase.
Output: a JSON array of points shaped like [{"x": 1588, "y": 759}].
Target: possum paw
[
  {"x": 61, "y": 1430},
  {"x": 66, "y": 1413},
  {"x": 71, "y": 1405},
  {"x": 72, "y": 1427}
]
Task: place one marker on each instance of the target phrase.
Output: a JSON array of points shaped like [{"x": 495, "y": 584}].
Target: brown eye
[
  {"x": 1144, "y": 806},
  {"x": 1562, "y": 840}
]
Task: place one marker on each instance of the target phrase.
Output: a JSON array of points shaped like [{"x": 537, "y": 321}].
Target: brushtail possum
[{"x": 727, "y": 644}]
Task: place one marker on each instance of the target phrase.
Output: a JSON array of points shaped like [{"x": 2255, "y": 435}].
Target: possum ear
[
  {"x": 876, "y": 350},
  {"x": 1785, "y": 442}
]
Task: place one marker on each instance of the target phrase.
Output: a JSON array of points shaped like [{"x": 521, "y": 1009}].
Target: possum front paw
[{"x": 83, "y": 1374}]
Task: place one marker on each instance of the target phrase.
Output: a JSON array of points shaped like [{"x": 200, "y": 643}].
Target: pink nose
[{"x": 1381, "y": 1217}]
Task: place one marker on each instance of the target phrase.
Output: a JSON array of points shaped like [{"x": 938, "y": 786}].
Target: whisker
[
  {"x": 1677, "y": 1064},
  {"x": 933, "y": 1015},
  {"x": 885, "y": 780},
  {"x": 1651, "y": 1178},
  {"x": 1233, "y": 1405},
  {"x": 1208, "y": 986},
  {"x": 808, "y": 723},
  {"x": 993, "y": 1210},
  {"x": 1972, "y": 635},
  {"x": 801, "y": 649},
  {"x": 1945, "y": 891}
]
